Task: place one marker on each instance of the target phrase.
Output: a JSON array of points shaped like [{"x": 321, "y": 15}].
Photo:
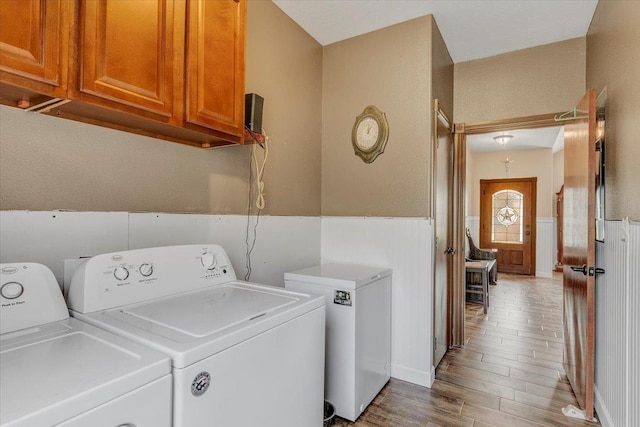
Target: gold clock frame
[{"x": 370, "y": 154}]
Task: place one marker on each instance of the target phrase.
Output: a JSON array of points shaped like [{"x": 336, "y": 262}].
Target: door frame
[
  {"x": 461, "y": 130},
  {"x": 439, "y": 115},
  {"x": 534, "y": 199}
]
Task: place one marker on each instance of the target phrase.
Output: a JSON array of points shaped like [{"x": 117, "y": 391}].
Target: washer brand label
[
  {"x": 342, "y": 298},
  {"x": 200, "y": 383}
]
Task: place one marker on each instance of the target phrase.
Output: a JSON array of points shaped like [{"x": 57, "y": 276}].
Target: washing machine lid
[
  {"x": 338, "y": 275},
  {"x": 55, "y": 371},
  {"x": 194, "y": 325},
  {"x": 212, "y": 311}
]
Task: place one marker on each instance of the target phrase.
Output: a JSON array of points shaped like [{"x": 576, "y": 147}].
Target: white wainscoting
[
  {"x": 546, "y": 245},
  {"x": 284, "y": 243},
  {"x": 405, "y": 245},
  {"x": 611, "y": 328},
  {"x": 617, "y": 371},
  {"x": 633, "y": 326},
  {"x": 50, "y": 237}
]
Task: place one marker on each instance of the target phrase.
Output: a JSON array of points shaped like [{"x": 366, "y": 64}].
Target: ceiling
[
  {"x": 472, "y": 29},
  {"x": 525, "y": 139}
]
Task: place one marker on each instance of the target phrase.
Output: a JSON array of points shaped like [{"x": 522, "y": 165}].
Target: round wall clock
[{"x": 370, "y": 134}]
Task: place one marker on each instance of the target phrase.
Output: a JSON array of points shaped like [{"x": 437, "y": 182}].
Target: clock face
[{"x": 367, "y": 133}]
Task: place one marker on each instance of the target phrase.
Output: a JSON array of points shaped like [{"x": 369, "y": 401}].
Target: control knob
[
  {"x": 11, "y": 290},
  {"x": 121, "y": 273},
  {"x": 146, "y": 269},
  {"x": 209, "y": 260}
]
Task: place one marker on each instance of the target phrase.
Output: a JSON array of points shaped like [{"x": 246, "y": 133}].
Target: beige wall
[
  {"x": 539, "y": 80},
  {"x": 526, "y": 164},
  {"x": 613, "y": 59},
  {"x": 441, "y": 71},
  {"x": 558, "y": 177},
  {"x": 48, "y": 163},
  {"x": 389, "y": 68}
]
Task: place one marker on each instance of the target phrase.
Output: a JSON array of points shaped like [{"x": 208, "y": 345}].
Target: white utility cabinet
[{"x": 358, "y": 330}]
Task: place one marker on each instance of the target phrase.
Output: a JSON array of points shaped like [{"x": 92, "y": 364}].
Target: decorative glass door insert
[{"x": 508, "y": 218}]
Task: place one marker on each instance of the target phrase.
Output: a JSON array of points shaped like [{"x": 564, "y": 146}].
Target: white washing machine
[
  {"x": 59, "y": 371},
  {"x": 358, "y": 304},
  {"x": 243, "y": 354}
]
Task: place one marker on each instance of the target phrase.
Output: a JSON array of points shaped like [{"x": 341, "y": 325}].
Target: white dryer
[
  {"x": 59, "y": 371},
  {"x": 243, "y": 354}
]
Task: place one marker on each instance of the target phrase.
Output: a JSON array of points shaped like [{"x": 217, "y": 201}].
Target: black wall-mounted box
[{"x": 253, "y": 112}]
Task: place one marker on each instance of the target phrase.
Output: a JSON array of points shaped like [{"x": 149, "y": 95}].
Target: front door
[
  {"x": 443, "y": 186},
  {"x": 579, "y": 251},
  {"x": 508, "y": 222}
]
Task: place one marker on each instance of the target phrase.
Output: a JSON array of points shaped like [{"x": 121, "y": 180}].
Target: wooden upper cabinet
[
  {"x": 171, "y": 69},
  {"x": 126, "y": 57},
  {"x": 34, "y": 40},
  {"x": 215, "y": 65}
]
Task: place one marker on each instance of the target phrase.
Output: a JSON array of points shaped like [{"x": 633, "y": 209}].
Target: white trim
[
  {"x": 413, "y": 376},
  {"x": 601, "y": 409}
]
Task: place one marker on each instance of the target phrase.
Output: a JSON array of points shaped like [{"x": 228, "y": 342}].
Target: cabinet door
[
  {"x": 215, "y": 64},
  {"x": 34, "y": 45},
  {"x": 126, "y": 54}
]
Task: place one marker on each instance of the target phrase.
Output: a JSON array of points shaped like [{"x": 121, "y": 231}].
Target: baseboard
[
  {"x": 413, "y": 376},
  {"x": 546, "y": 274},
  {"x": 601, "y": 409}
]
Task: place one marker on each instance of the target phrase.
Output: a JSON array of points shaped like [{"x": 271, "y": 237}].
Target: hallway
[{"x": 509, "y": 373}]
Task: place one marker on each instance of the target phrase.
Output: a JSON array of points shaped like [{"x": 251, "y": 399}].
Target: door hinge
[
  {"x": 599, "y": 145},
  {"x": 436, "y": 242},
  {"x": 435, "y": 342}
]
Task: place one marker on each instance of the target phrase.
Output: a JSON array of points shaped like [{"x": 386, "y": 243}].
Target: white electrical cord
[{"x": 260, "y": 203}]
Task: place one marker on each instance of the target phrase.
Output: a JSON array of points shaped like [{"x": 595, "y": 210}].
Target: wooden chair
[
  {"x": 476, "y": 254},
  {"x": 479, "y": 292}
]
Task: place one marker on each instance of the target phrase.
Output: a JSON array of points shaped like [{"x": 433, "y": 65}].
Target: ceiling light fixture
[{"x": 503, "y": 139}]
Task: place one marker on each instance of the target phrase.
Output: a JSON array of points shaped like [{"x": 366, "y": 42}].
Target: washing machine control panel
[
  {"x": 112, "y": 280},
  {"x": 29, "y": 296}
]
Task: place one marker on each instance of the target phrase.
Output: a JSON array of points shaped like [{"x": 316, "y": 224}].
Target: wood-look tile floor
[{"x": 508, "y": 374}]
